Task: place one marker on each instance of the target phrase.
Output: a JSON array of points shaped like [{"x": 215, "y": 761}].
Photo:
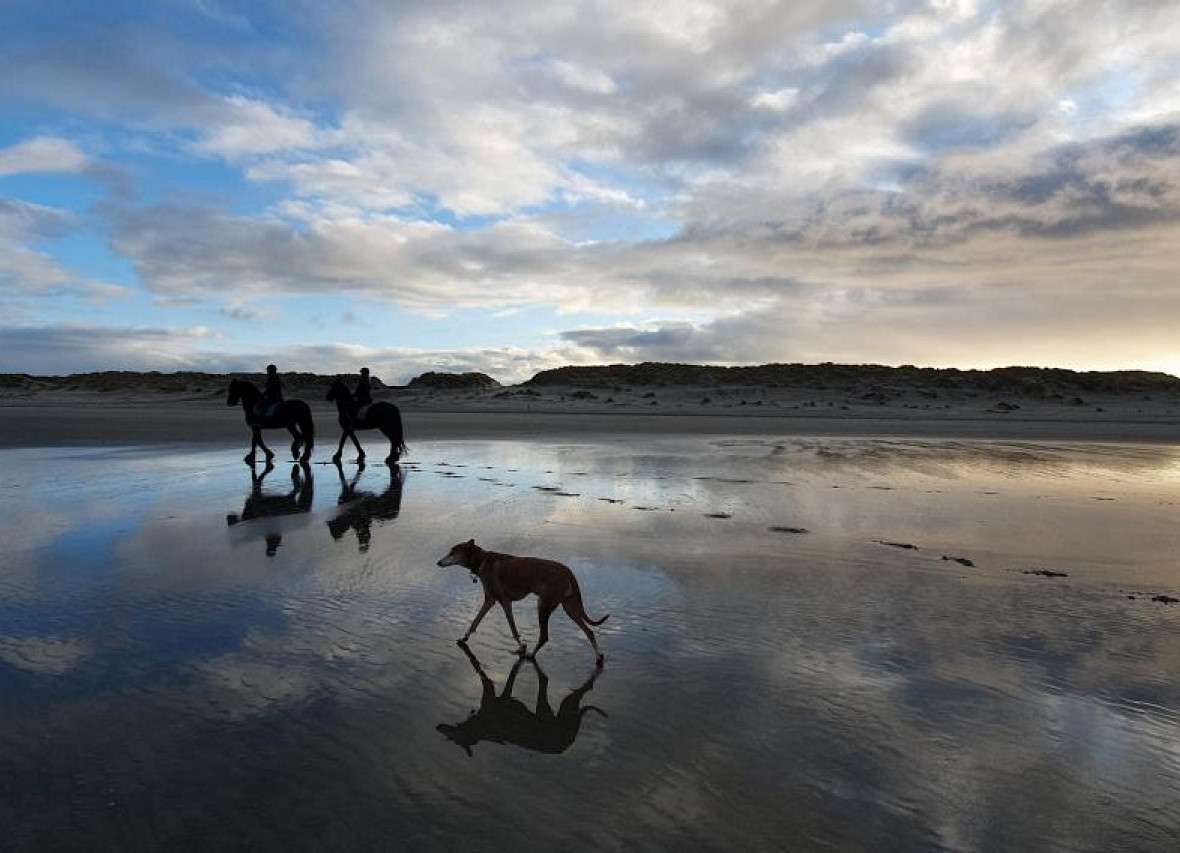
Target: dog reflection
[
  {"x": 362, "y": 508},
  {"x": 260, "y": 504},
  {"x": 504, "y": 719}
]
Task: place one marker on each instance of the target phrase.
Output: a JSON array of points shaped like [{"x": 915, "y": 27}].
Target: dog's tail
[{"x": 576, "y": 595}]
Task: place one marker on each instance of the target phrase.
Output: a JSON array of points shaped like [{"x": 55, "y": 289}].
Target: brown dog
[{"x": 507, "y": 579}]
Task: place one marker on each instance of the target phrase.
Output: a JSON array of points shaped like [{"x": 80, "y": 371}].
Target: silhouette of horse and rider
[
  {"x": 260, "y": 504},
  {"x": 267, "y": 409},
  {"x": 358, "y": 411},
  {"x": 504, "y": 719},
  {"x": 361, "y": 508}
]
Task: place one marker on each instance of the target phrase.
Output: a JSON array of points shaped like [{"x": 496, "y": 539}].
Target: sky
[{"x": 512, "y": 186}]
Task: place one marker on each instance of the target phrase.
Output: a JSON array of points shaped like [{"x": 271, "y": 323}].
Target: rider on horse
[
  {"x": 271, "y": 395},
  {"x": 363, "y": 395}
]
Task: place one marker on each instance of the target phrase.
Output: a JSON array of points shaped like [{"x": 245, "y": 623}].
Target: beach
[
  {"x": 81, "y": 418},
  {"x": 814, "y": 642}
]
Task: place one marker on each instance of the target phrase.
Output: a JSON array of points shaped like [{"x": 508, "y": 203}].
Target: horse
[
  {"x": 291, "y": 415},
  {"x": 382, "y": 416},
  {"x": 262, "y": 505},
  {"x": 362, "y": 508}
]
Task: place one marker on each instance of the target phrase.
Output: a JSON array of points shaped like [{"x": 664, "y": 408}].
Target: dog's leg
[
  {"x": 488, "y": 601},
  {"x": 508, "y": 685},
  {"x": 571, "y": 609},
  {"x": 545, "y": 609},
  {"x": 489, "y": 686},
  {"x": 543, "y": 706},
  {"x": 521, "y": 648}
]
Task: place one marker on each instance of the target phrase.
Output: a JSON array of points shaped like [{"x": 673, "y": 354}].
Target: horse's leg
[
  {"x": 307, "y": 433},
  {"x": 258, "y": 440},
  {"x": 392, "y": 457},
  {"x": 360, "y": 451},
  {"x": 295, "y": 442},
  {"x": 340, "y": 447},
  {"x": 249, "y": 457}
]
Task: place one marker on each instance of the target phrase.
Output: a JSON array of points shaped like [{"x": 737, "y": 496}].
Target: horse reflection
[
  {"x": 260, "y": 504},
  {"x": 503, "y": 719},
  {"x": 362, "y": 508}
]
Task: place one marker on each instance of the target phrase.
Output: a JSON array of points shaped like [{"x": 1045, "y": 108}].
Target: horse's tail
[{"x": 307, "y": 427}]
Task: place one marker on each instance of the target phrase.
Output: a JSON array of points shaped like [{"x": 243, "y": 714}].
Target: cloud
[
  {"x": 810, "y": 158},
  {"x": 30, "y": 276},
  {"x": 42, "y": 154},
  {"x": 54, "y": 350},
  {"x": 1060, "y": 320},
  {"x": 49, "y": 655},
  {"x": 73, "y": 348},
  {"x": 246, "y": 127}
]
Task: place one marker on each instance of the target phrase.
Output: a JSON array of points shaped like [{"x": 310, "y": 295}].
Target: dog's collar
[{"x": 478, "y": 567}]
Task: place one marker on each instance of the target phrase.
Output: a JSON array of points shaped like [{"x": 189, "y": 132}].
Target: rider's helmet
[
  {"x": 270, "y": 368},
  {"x": 365, "y": 371}
]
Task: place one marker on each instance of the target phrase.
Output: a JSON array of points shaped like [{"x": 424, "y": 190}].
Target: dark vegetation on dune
[
  {"x": 449, "y": 381},
  {"x": 1029, "y": 381},
  {"x": 180, "y": 382}
]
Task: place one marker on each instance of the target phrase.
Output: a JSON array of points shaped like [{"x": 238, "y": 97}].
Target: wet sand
[
  {"x": 797, "y": 658},
  {"x": 88, "y": 420}
]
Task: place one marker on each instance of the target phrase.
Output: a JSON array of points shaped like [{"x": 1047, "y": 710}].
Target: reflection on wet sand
[
  {"x": 779, "y": 680},
  {"x": 260, "y": 504},
  {"x": 503, "y": 719},
  {"x": 362, "y": 508}
]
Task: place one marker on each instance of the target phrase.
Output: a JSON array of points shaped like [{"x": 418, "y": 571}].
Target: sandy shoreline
[{"x": 28, "y": 424}]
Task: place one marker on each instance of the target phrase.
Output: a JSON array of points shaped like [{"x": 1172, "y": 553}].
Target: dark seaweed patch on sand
[{"x": 962, "y": 561}]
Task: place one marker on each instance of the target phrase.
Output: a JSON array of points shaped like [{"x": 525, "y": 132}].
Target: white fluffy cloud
[
  {"x": 921, "y": 181},
  {"x": 43, "y": 154}
]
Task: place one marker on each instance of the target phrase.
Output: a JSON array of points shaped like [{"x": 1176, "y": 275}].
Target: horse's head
[
  {"x": 338, "y": 391},
  {"x": 235, "y": 392}
]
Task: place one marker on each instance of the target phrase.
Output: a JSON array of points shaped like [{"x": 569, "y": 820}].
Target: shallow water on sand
[{"x": 192, "y": 658}]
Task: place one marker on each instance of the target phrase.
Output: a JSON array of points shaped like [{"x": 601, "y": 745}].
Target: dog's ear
[{"x": 470, "y": 543}]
